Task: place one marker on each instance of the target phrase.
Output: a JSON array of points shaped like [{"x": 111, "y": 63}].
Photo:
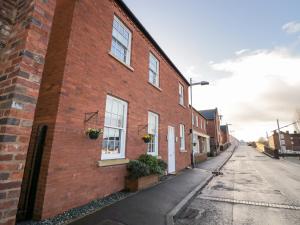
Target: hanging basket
[
  {"x": 94, "y": 133},
  {"x": 147, "y": 138}
]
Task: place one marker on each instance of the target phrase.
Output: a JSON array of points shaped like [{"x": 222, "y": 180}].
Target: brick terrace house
[
  {"x": 100, "y": 68},
  {"x": 224, "y": 134},
  {"x": 289, "y": 141},
  {"x": 213, "y": 128},
  {"x": 201, "y": 143}
]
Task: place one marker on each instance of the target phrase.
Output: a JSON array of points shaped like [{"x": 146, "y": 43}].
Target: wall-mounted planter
[
  {"x": 141, "y": 183},
  {"x": 147, "y": 138},
  {"x": 94, "y": 136}
]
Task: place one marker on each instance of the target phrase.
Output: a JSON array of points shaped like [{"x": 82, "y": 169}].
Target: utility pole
[
  {"x": 192, "y": 118},
  {"x": 279, "y": 137}
]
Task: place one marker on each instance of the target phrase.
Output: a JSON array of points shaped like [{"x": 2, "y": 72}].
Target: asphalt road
[{"x": 254, "y": 189}]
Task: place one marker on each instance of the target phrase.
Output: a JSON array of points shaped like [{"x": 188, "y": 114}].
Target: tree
[{"x": 262, "y": 140}]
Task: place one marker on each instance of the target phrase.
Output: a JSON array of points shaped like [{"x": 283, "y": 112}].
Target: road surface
[{"x": 254, "y": 189}]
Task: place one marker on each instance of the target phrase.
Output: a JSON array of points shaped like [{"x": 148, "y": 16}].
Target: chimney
[
  {"x": 287, "y": 132},
  {"x": 295, "y": 132}
]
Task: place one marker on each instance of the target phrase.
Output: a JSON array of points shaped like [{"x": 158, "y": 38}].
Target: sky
[{"x": 249, "y": 51}]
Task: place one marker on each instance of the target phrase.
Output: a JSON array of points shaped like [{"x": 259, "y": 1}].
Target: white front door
[{"x": 171, "y": 150}]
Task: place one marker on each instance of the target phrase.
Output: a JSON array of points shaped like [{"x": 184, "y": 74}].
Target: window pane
[
  {"x": 153, "y": 70},
  {"x": 118, "y": 50},
  {"x": 114, "y": 128},
  {"x": 153, "y": 129},
  {"x": 111, "y": 141}
]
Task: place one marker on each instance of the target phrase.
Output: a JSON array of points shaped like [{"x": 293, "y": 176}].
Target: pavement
[
  {"x": 254, "y": 189},
  {"x": 151, "y": 206}
]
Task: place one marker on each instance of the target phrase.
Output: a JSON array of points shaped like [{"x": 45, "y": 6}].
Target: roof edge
[{"x": 151, "y": 39}]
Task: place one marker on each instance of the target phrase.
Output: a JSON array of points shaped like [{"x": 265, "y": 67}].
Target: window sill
[
  {"x": 112, "y": 162},
  {"x": 157, "y": 88},
  {"x": 118, "y": 60},
  {"x": 183, "y": 151}
]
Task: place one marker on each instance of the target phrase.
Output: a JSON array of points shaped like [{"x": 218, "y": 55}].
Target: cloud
[
  {"x": 242, "y": 51},
  {"x": 264, "y": 85},
  {"x": 291, "y": 27}
]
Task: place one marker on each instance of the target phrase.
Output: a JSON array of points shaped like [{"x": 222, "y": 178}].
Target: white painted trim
[{"x": 201, "y": 134}]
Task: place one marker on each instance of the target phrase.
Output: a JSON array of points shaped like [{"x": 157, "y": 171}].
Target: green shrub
[
  {"x": 146, "y": 165},
  {"x": 137, "y": 169},
  {"x": 152, "y": 162},
  {"x": 162, "y": 164}
]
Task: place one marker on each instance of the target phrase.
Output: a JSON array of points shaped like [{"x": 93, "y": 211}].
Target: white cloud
[
  {"x": 264, "y": 85},
  {"x": 242, "y": 51},
  {"x": 291, "y": 27}
]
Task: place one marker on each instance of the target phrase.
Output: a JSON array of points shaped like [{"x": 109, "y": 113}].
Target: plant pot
[
  {"x": 93, "y": 135},
  {"x": 146, "y": 140},
  {"x": 141, "y": 183}
]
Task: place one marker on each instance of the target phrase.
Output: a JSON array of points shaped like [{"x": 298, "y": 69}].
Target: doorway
[
  {"x": 171, "y": 150},
  {"x": 30, "y": 181}
]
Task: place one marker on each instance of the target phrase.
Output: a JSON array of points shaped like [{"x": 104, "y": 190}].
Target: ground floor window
[
  {"x": 114, "y": 135},
  {"x": 153, "y": 129}
]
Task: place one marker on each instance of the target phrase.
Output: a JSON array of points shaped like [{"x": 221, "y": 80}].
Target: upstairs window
[
  {"x": 153, "y": 70},
  {"x": 197, "y": 123},
  {"x": 121, "y": 41},
  {"x": 181, "y": 95}
]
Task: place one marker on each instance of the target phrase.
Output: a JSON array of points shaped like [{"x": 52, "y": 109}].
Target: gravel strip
[{"x": 80, "y": 211}]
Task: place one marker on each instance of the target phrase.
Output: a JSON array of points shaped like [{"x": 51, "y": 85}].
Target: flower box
[{"x": 141, "y": 183}]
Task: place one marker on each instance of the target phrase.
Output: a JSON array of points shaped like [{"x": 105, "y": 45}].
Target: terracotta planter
[{"x": 141, "y": 183}]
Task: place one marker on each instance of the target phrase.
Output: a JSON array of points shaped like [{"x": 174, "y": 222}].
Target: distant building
[
  {"x": 213, "y": 128},
  {"x": 225, "y": 137},
  {"x": 289, "y": 141},
  {"x": 201, "y": 144}
]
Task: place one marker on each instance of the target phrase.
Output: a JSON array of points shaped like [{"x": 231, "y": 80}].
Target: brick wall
[
  {"x": 24, "y": 30},
  {"x": 79, "y": 73},
  {"x": 201, "y": 120}
]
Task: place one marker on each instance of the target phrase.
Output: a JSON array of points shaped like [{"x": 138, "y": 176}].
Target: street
[{"x": 254, "y": 189}]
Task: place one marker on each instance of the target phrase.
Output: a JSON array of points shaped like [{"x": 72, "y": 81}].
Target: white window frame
[
  {"x": 156, "y": 119},
  {"x": 128, "y": 48},
  {"x": 122, "y": 144},
  {"x": 181, "y": 94},
  {"x": 151, "y": 56},
  {"x": 182, "y": 137},
  {"x": 197, "y": 122}
]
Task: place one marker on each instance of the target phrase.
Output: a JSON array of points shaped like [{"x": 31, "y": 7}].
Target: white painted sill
[
  {"x": 112, "y": 162},
  {"x": 118, "y": 60},
  {"x": 157, "y": 88}
]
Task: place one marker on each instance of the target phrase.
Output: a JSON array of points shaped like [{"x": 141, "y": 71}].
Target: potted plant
[
  {"x": 94, "y": 133},
  {"x": 144, "y": 172},
  {"x": 147, "y": 138}
]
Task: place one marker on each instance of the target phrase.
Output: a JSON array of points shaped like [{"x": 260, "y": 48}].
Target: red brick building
[
  {"x": 201, "y": 143},
  {"x": 289, "y": 141},
  {"x": 24, "y": 34},
  {"x": 225, "y": 137},
  {"x": 213, "y": 128},
  {"x": 101, "y": 69}
]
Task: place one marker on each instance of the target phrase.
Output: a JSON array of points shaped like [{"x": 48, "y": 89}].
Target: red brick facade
[
  {"x": 24, "y": 32},
  {"x": 201, "y": 139},
  {"x": 79, "y": 74},
  {"x": 290, "y": 141},
  {"x": 213, "y": 128}
]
